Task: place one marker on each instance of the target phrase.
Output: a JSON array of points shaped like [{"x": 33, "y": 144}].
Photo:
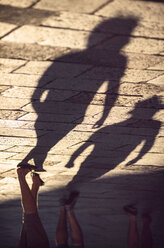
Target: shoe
[
  {"x": 130, "y": 210},
  {"x": 28, "y": 166},
  {"x": 34, "y": 174}
]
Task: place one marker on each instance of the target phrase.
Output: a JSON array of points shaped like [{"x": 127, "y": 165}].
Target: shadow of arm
[
  {"x": 110, "y": 99},
  {"x": 145, "y": 149}
]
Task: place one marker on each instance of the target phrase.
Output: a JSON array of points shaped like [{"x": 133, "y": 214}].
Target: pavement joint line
[
  {"x": 72, "y": 29},
  {"x": 10, "y": 32},
  {"x": 21, "y": 116},
  {"x": 12, "y": 72},
  {"x": 155, "y": 76},
  {"x": 83, "y": 72},
  {"x": 7, "y": 171},
  {"x": 50, "y": 12},
  {"x": 102, "y": 6},
  {"x": 9, "y": 87},
  {"x": 87, "y": 31},
  {"x": 139, "y": 36},
  {"x": 32, "y": 5},
  {"x": 26, "y": 105},
  {"x": 27, "y": 137},
  {"x": 11, "y": 156},
  {"x": 43, "y": 86},
  {"x": 16, "y": 58}
]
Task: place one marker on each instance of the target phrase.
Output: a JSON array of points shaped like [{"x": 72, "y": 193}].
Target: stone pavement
[{"x": 81, "y": 95}]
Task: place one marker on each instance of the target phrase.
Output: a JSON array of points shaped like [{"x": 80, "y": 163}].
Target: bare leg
[
  {"x": 35, "y": 188},
  {"x": 61, "y": 231},
  {"x": 76, "y": 232},
  {"x": 28, "y": 202},
  {"x": 146, "y": 232},
  {"x": 133, "y": 236}
]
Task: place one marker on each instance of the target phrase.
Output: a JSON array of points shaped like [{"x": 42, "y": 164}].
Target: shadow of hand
[
  {"x": 133, "y": 161},
  {"x": 98, "y": 124},
  {"x": 70, "y": 164}
]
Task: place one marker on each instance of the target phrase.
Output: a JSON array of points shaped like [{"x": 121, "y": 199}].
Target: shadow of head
[
  {"x": 116, "y": 32},
  {"x": 147, "y": 108}
]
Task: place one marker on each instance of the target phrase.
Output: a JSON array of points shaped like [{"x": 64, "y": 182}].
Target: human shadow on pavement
[
  {"x": 74, "y": 84},
  {"x": 113, "y": 143}
]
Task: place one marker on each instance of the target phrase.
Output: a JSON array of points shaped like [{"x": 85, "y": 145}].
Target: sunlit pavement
[{"x": 81, "y": 85}]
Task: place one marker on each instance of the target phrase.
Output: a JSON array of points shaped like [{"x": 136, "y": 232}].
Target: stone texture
[
  {"x": 17, "y": 124},
  {"x": 52, "y": 37},
  {"x": 61, "y": 69},
  {"x": 157, "y": 66},
  {"x": 21, "y": 16},
  {"x": 24, "y": 92},
  {"x": 12, "y": 103},
  {"x": 66, "y": 20},
  {"x": 8, "y": 65},
  {"x": 73, "y": 6},
  {"x": 3, "y": 88},
  {"x": 30, "y": 51},
  {"x": 19, "y": 3},
  {"x": 130, "y": 75},
  {"x": 19, "y": 79},
  {"x": 144, "y": 10},
  {"x": 159, "y": 82},
  {"x": 19, "y": 132},
  {"x": 11, "y": 114},
  {"x": 17, "y": 141},
  {"x": 136, "y": 45}
]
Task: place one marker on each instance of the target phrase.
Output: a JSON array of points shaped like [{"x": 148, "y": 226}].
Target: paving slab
[
  {"x": 53, "y": 37},
  {"x": 11, "y": 114},
  {"x": 42, "y": 53},
  {"x": 19, "y": 3},
  {"x": 17, "y": 79},
  {"x": 146, "y": 11},
  {"x": 16, "y": 141},
  {"x": 30, "y": 51},
  {"x": 158, "y": 66},
  {"x": 21, "y": 16},
  {"x": 136, "y": 45},
  {"x": 130, "y": 75},
  {"x": 9, "y": 65},
  {"x": 6, "y": 28},
  {"x": 24, "y": 92},
  {"x": 66, "y": 19},
  {"x": 20, "y": 132},
  {"x": 78, "y": 6},
  {"x": 64, "y": 69}
]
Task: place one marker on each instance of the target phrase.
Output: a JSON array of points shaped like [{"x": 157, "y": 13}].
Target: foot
[
  {"x": 22, "y": 172},
  {"x": 130, "y": 210},
  {"x": 36, "y": 179}
]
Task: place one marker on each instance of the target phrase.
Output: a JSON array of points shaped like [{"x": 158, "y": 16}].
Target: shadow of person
[
  {"x": 113, "y": 143},
  {"x": 74, "y": 84}
]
